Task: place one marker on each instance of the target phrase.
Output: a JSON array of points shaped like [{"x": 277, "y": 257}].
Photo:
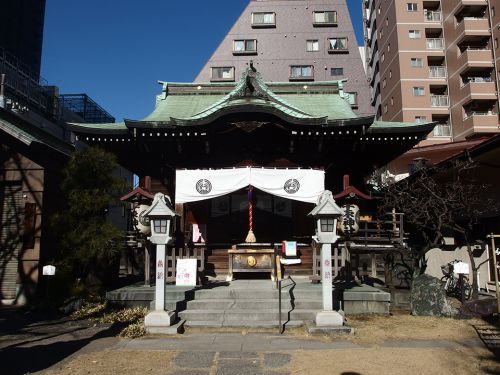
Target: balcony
[
  {"x": 476, "y": 56},
  {"x": 435, "y": 43},
  {"x": 432, "y": 16},
  {"x": 481, "y": 122},
  {"x": 473, "y": 26},
  {"x": 437, "y": 72},
  {"x": 440, "y": 101},
  {"x": 476, "y": 89},
  {"x": 442, "y": 130}
]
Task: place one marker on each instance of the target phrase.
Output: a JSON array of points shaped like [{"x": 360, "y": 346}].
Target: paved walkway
[{"x": 265, "y": 342}]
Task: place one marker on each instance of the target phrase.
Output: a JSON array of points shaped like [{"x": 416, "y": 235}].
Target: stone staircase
[{"x": 250, "y": 303}]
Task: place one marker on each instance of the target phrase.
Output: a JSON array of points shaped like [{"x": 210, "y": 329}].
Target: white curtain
[{"x": 304, "y": 185}]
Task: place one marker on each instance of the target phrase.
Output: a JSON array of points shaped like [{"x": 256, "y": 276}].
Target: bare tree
[{"x": 439, "y": 201}]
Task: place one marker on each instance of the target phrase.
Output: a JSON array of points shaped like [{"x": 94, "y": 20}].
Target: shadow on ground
[
  {"x": 31, "y": 343},
  {"x": 490, "y": 336}
]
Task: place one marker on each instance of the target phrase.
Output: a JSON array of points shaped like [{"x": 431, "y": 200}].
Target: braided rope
[{"x": 250, "y": 209}]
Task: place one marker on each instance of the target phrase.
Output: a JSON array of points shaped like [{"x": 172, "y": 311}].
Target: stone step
[
  {"x": 255, "y": 304},
  {"x": 251, "y": 324},
  {"x": 242, "y": 293},
  {"x": 243, "y": 316}
]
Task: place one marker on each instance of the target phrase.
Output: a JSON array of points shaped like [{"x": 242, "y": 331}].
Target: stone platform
[{"x": 253, "y": 303}]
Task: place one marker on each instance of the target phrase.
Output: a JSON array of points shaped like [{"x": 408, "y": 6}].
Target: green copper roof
[
  {"x": 308, "y": 103},
  {"x": 334, "y": 107},
  {"x": 182, "y": 104},
  {"x": 28, "y": 136},
  {"x": 400, "y": 127}
]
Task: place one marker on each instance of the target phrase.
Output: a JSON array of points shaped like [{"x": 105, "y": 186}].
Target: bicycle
[{"x": 451, "y": 282}]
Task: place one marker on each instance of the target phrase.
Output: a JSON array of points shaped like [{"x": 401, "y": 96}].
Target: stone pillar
[
  {"x": 158, "y": 320},
  {"x": 326, "y": 276},
  {"x": 327, "y": 317},
  {"x": 160, "y": 278}
]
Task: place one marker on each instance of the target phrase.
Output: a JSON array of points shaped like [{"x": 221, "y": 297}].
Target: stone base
[
  {"x": 365, "y": 299},
  {"x": 160, "y": 321},
  {"x": 329, "y": 319},
  {"x": 312, "y": 328}
]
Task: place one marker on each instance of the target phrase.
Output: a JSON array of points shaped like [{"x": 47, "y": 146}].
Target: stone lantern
[
  {"x": 162, "y": 218},
  {"x": 327, "y": 213}
]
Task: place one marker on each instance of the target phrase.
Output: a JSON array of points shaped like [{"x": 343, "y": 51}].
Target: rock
[{"x": 428, "y": 298}]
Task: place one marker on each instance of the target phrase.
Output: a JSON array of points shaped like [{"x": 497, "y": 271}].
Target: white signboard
[
  {"x": 186, "y": 272},
  {"x": 461, "y": 267},
  {"x": 290, "y": 248},
  {"x": 49, "y": 270}
]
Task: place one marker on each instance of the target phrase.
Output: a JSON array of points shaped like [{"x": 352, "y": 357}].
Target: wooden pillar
[{"x": 373, "y": 257}]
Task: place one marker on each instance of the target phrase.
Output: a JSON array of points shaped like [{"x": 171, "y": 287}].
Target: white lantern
[
  {"x": 326, "y": 213},
  {"x": 161, "y": 216}
]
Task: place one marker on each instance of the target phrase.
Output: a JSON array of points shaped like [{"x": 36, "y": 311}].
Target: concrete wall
[
  {"x": 285, "y": 44},
  {"x": 438, "y": 258}
]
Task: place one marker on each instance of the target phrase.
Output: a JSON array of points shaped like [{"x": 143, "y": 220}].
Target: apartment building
[
  {"x": 435, "y": 61},
  {"x": 293, "y": 40}
]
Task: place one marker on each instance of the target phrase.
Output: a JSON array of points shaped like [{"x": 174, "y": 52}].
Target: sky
[{"x": 116, "y": 50}]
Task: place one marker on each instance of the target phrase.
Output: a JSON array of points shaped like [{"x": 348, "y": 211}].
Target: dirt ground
[{"x": 398, "y": 344}]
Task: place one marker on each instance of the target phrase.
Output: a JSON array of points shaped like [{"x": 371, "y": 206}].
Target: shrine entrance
[{"x": 225, "y": 219}]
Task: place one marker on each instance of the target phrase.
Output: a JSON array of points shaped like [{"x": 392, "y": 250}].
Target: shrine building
[{"x": 218, "y": 148}]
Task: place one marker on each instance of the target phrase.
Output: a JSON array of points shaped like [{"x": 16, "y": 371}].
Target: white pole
[
  {"x": 160, "y": 278},
  {"x": 326, "y": 276}
]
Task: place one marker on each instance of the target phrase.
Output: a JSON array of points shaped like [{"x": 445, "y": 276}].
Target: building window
[
  {"x": 496, "y": 43},
  {"x": 222, "y": 73},
  {"x": 301, "y": 72},
  {"x": 337, "y": 45},
  {"x": 353, "y": 99},
  {"x": 389, "y": 47},
  {"x": 387, "y": 21},
  {"x": 337, "y": 71},
  {"x": 392, "y": 100},
  {"x": 328, "y": 18},
  {"x": 245, "y": 47},
  {"x": 264, "y": 19},
  {"x": 386, "y": 109},
  {"x": 411, "y": 7},
  {"x": 390, "y": 74},
  {"x": 420, "y": 119},
  {"x": 414, "y": 34},
  {"x": 383, "y": 57},
  {"x": 312, "y": 45},
  {"x": 418, "y": 91},
  {"x": 384, "y": 83},
  {"x": 416, "y": 62}
]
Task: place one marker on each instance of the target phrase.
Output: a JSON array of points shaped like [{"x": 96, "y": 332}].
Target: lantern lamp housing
[
  {"x": 326, "y": 213},
  {"x": 162, "y": 217}
]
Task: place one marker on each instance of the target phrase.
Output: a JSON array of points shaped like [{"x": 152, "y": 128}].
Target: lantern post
[
  {"x": 327, "y": 213},
  {"x": 162, "y": 218}
]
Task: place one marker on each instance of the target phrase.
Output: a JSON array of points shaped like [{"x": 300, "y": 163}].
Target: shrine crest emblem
[
  {"x": 291, "y": 186},
  {"x": 203, "y": 186}
]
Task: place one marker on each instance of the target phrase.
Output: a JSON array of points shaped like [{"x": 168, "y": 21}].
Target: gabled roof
[
  {"x": 326, "y": 206},
  {"x": 136, "y": 195},
  {"x": 322, "y": 103}
]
